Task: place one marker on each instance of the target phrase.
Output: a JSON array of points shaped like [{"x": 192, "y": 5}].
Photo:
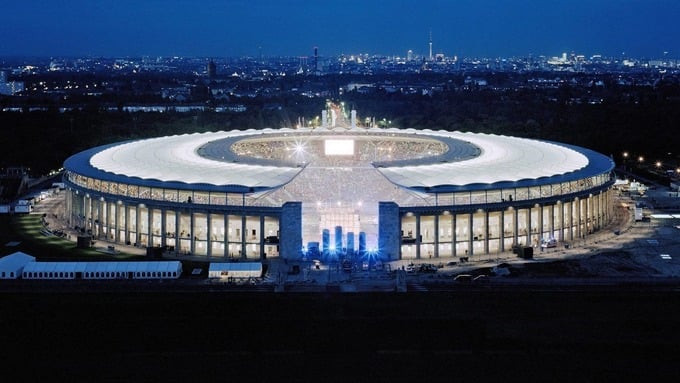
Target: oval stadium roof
[{"x": 175, "y": 162}]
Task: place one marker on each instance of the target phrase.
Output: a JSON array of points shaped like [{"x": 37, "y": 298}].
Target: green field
[{"x": 28, "y": 231}]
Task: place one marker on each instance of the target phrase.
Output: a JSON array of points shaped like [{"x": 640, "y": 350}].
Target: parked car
[
  {"x": 548, "y": 243},
  {"x": 480, "y": 279},
  {"x": 463, "y": 278}
]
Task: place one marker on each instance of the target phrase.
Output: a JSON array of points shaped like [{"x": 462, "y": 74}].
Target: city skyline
[{"x": 269, "y": 28}]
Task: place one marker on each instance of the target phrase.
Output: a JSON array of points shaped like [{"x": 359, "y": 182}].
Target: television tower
[{"x": 430, "y": 44}]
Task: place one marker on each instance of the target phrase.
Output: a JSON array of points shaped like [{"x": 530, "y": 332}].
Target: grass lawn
[{"x": 26, "y": 229}]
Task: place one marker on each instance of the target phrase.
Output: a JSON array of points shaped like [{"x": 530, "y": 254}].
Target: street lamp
[{"x": 641, "y": 159}]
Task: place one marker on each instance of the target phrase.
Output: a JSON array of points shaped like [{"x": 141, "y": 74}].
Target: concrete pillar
[
  {"x": 528, "y": 224},
  {"x": 208, "y": 239},
  {"x": 389, "y": 231},
  {"x": 540, "y": 224},
  {"x": 226, "y": 234},
  {"x": 164, "y": 225},
  {"x": 192, "y": 242},
  {"x": 291, "y": 230},
  {"x": 67, "y": 205},
  {"x": 486, "y": 232},
  {"x": 138, "y": 220},
  {"x": 418, "y": 236},
  {"x": 599, "y": 210},
  {"x": 453, "y": 234},
  {"x": 501, "y": 231},
  {"x": 83, "y": 212},
  {"x": 570, "y": 218},
  {"x": 243, "y": 235},
  {"x": 588, "y": 220},
  {"x": 436, "y": 235},
  {"x": 262, "y": 254},
  {"x": 116, "y": 232},
  {"x": 127, "y": 224},
  {"x": 149, "y": 227},
  {"x": 90, "y": 215},
  {"x": 551, "y": 223},
  {"x": 470, "y": 234},
  {"x": 100, "y": 218},
  {"x": 178, "y": 215},
  {"x": 578, "y": 217},
  {"x": 560, "y": 206},
  {"x": 515, "y": 227}
]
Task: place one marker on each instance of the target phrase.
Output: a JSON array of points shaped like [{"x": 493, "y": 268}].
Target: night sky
[{"x": 636, "y": 28}]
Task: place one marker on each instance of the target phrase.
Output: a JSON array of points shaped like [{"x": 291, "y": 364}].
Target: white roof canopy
[
  {"x": 502, "y": 159},
  {"x": 177, "y": 158}
]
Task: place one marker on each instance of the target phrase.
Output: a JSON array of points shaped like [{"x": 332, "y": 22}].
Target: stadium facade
[{"x": 390, "y": 193}]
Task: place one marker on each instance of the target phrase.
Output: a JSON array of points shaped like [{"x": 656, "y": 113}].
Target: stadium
[{"x": 335, "y": 191}]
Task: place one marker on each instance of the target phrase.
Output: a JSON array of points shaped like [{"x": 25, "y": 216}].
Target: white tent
[
  {"x": 235, "y": 270},
  {"x": 104, "y": 270},
  {"x": 12, "y": 265}
]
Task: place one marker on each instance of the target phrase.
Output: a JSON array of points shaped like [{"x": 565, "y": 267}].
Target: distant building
[
  {"x": 212, "y": 69},
  {"x": 9, "y": 87}
]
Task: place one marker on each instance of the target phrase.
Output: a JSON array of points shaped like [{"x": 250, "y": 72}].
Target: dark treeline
[{"x": 42, "y": 141}]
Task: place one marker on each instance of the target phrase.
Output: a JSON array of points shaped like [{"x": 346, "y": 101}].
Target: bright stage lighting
[{"x": 339, "y": 147}]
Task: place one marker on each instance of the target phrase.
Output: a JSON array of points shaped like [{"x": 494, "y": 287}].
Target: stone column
[
  {"x": 389, "y": 231},
  {"x": 560, "y": 205},
  {"x": 149, "y": 228},
  {"x": 528, "y": 224},
  {"x": 540, "y": 224},
  {"x": 178, "y": 216},
  {"x": 588, "y": 221},
  {"x": 486, "y": 232},
  {"x": 138, "y": 220},
  {"x": 91, "y": 216},
  {"x": 226, "y": 234},
  {"x": 208, "y": 239},
  {"x": 453, "y": 234},
  {"x": 164, "y": 225},
  {"x": 116, "y": 232},
  {"x": 436, "y": 235},
  {"x": 291, "y": 230},
  {"x": 127, "y": 223},
  {"x": 515, "y": 227},
  {"x": 570, "y": 218},
  {"x": 501, "y": 231},
  {"x": 192, "y": 242},
  {"x": 471, "y": 236},
  {"x": 578, "y": 217},
  {"x": 100, "y": 228},
  {"x": 418, "y": 236},
  {"x": 599, "y": 211},
  {"x": 262, "y": 253},
  {"x": 243, "y": 235}
]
